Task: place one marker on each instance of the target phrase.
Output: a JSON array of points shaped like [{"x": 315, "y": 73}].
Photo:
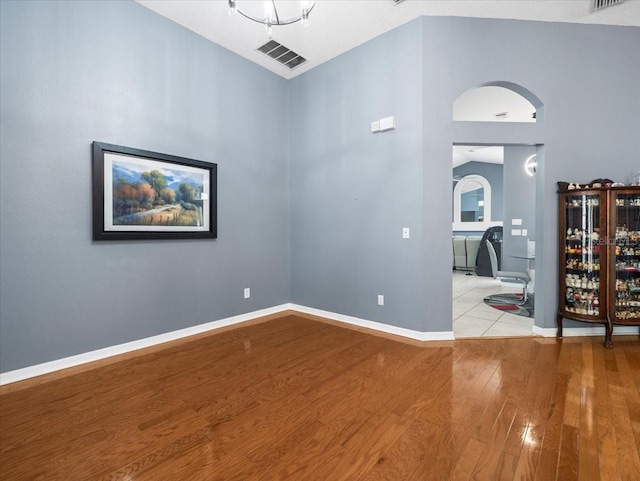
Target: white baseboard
[
  {"x": 584, "y": 331},
  {"x": 376, "y": 326},
  {"x": 73, "y": 361},
  {"x": 544, "y": 331},
  {"x": 87, "y": 357}
]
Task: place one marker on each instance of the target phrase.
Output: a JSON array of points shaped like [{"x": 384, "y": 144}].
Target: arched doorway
[{"x": 502, "y": 116}]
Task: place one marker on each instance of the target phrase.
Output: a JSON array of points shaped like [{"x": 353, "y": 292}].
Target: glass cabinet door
[
  {"x": 582, "y": 255},
  {"x": 626, "y": 303}
]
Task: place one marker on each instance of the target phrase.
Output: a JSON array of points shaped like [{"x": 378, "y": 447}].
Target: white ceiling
[
  {"x": 493, "y": 104},
  {"x": 489, "y": 154},
  {"x": 336, "y": 26}
]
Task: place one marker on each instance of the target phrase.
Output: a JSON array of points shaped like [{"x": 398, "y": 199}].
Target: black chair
[{"x": 483, "y": 262}]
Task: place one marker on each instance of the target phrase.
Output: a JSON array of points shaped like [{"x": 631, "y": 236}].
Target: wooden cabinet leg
[
  {"x": 559, "y": 322},
  {"x": 608, "y": 343}
]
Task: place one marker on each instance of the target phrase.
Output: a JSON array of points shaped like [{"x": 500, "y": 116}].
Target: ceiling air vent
[
  {"x": 282, "y": 54},
  {"x": 600, "y": 4}
]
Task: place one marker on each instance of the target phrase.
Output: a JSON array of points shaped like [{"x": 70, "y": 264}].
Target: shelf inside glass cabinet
[
  {"x": 582, "y": 255},
  {"x": 627, "y": 257}
]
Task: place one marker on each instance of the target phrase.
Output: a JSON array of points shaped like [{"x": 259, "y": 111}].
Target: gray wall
[
  {"x": 587, "y": 80},
  {"x": 519, "y": 203},
  {"x": 74, "y": 72},
  {"x": 352, "y": 191}
]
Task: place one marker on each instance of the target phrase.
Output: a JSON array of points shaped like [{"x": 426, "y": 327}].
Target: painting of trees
[
  {"x": 169, "y": 195},
  {"x": 146, "y": 198},
  {"x": 139, "y": 194},
  {"x": 124, "y": 197},
  {"x": 156, "y": 180}
]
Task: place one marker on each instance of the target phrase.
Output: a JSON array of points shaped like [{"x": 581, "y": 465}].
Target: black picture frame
[{"x": 143, "y": 195}]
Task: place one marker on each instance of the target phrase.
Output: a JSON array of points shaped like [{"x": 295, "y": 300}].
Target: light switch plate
[
  {"x": 388, "y": 123},
  {"x": 405, "y": 233}
]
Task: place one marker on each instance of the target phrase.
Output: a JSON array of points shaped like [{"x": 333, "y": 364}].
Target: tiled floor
[{"x": 473, "y": 318}]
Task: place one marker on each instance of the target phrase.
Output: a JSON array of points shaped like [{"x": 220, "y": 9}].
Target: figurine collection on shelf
[
  {"x": 583, "y": 302},
  {"x": 628, "y": 202},
  {"x": 627, "y": 250},
  {"x": 583, "y": 245},
  {"x": 600, "y": 253},
  {"x": 634, "y": 180},
  {"x": 582, "y": 248}
]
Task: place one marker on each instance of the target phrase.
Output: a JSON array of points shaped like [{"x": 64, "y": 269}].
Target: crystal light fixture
[{"x": 282, "y": 12}]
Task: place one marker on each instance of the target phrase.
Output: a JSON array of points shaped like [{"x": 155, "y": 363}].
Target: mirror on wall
[
  {"x": 472, "y": 202},
  {"x": 477, "y": 185}
]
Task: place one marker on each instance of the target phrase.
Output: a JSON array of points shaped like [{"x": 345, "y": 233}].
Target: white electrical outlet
[
  {"x": 247, "y": 292},
  {"x": 380, "y": 300},
  {"x": 405, "y": 233}
]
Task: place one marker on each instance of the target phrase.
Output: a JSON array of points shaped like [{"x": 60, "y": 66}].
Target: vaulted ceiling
[{"x": 336, "y": 26}]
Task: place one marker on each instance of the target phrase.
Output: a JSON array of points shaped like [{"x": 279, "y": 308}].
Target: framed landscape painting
[{"x": 139, "y": 194}]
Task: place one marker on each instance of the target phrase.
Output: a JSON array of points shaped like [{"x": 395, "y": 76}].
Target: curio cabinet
[{"x": 599, "y": 257}]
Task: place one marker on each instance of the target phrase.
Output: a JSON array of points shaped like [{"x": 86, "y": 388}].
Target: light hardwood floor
[{"x": 294, "y": 398}]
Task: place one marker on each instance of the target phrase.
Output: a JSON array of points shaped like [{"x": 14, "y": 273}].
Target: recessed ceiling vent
[
  {"x": 600, "y": 4},
  {"x": 282, "y": 54},
  {"x": 396, "y": 2}
]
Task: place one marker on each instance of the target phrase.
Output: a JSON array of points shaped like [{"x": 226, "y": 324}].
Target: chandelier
[{"x": 271, "y": 13}]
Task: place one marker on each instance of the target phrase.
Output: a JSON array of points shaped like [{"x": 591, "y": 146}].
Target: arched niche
[
  {"x": 478, "y": 189},
  {"x": 498, "y": 101}
]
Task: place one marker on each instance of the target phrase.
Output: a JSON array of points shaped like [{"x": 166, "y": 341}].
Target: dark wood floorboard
[{"x": 295, "y": 398}]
